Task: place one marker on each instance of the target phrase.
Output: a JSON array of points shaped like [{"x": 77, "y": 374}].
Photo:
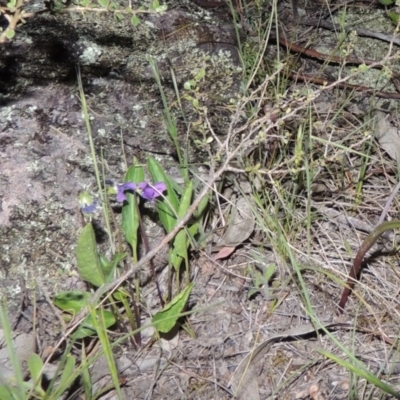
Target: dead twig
[
  {"x": 359, "y": 32},
  {"x": 347, "y": 86}
]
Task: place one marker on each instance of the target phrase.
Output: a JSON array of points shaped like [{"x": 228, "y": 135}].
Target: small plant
[
  {"x": 192, "y": 89},
  {"x": 95, "y": 269},
  {"x": 172, "y": 203},
  {"x": 261, "y": 280}
]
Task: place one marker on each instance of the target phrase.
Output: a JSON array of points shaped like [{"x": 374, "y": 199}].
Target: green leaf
[
  {"x": 269, "y": 272},
  {"x": 35, "y": 365},
  {"x": 86, "y": 379},
  {"x": 110, "y": 266},
  {"x": 72, "y": 302},
  {"x": 192, "y": 84},
  {"x": 11, "y": 374},
  {"x": 180, "y": 246},
  {"x": 103, "y": 3},
  {"x": 120, "y": 295},
  {"x": 135, "y": 21},
  {"x": 386, "y": 2},
  {"x": 166, "y": 214},
  {"x": 135, "y": 172},
  {"x": 10, "y": 33},
  {"x": 166, "y": 319},
  {"x": 394, "y": 17},
  {"x": 88, "y": 261},
  {"x": 130, "y": 217},
  {"x": 162, "y": 8},
  {"x": 181, "y": 241},
  {"x": 5, "y": 393},
  {"x": 67, "y": 377},
  {"x": 118, "y": 17},
  {"x": 200, "y": 75},
  {"x": 186, "y": 200},
  {"x": 178, "y": 252},
  {"x": 105, "y": 264},
  {"x": 260, "y": 280},
  {"x": 252, "y": 292},
  {"x": 201, "y": 208},
  {"x": 88, "y": 328}
]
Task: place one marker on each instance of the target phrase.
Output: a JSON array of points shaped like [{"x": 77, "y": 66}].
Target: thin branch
[{"x": 359, "y": 32}]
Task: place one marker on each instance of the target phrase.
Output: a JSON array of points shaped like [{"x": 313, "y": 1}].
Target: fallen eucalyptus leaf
[
  {"x": 387, "y": 135},
  {"x": 224, "y": 252},
  {"x": 240, "y": 225}
]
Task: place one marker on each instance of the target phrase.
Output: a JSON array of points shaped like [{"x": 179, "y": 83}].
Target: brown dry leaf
[
  {"x": 315, "y": 393},
  {"x": 387, "y": 135},
  {"x": 224, "y": 252},
  {"x": 207, "y": 268},
  {"x": 241, "y": 224}
]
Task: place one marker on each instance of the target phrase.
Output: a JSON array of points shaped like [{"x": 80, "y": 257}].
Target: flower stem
[{"x": 366, "y": 245}]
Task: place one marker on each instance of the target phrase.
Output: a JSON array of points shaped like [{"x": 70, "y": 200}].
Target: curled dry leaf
[
  {"x": 387, "y": 135},
  {"x": 240, "y": 225}
]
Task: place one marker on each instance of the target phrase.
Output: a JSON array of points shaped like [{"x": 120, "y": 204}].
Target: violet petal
[
  {"x": 152, "y": 192},
  {"x": 89, "y": 208},
  {"x": 127, "y": 186}
]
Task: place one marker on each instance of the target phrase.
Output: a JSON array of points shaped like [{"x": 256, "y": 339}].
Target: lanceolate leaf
[
  {"x": 186, "y": 200},
  {"x": 35, "y": 365},
  {"x": 67, "y": 377},
  {"x": 130, "y": 217},
  {"x": 166, "y": 319},
  {"x": 181, "y": 245},
  {"x": 394, "y": 16},
  {"x": 181, "y": 240},
  {"x": 5, "y": 393},
  {"x": 167, "y": 215},
  {"x": 110, "y": 266},
  {"x": 89, "y": 266},
  {"x": 201, "y": 208},
  {"x": 88, "y": 328}
]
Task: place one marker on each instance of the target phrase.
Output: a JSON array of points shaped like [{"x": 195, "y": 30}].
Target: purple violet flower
[
  {"x": 121, "y": 189},
  {"x": 144, "y": 189},
  {"x": 151, "y": 192},
  {"x": 90, "y": 208},
  {"x": 86, "y": 203}
]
